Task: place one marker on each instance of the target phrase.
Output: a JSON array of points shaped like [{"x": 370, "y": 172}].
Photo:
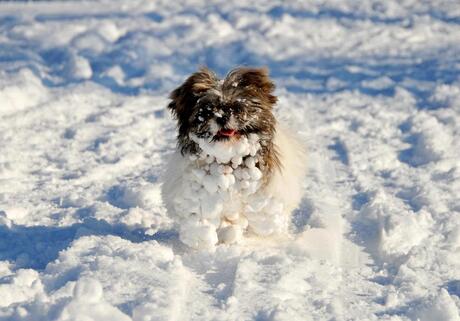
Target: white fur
[
  {"x": 287, "y": 183},
  {"x": 212, "y": 202}
]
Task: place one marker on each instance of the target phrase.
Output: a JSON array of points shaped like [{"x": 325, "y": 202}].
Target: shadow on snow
[{"x": 36, "y": 246}]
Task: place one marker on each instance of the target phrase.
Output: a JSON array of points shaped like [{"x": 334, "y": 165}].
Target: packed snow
[{"x": 373, "y": 90}]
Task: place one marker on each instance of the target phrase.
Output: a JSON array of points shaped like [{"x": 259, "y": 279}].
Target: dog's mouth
[{"x": 226, "y": 133}]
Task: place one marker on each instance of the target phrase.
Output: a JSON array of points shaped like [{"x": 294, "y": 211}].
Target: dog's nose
[{"x": 222, "y": 121}]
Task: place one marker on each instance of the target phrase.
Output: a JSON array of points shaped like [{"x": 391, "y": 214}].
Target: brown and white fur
[{"x": 224, "y": 112}]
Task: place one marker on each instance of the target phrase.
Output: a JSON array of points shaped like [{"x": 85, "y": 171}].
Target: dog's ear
[
  {"x": 251, "y": 81},
  {"x": 185, "y": 96}
]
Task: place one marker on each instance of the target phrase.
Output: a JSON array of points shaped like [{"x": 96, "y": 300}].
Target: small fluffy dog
[{"x": 236, "y": 170}]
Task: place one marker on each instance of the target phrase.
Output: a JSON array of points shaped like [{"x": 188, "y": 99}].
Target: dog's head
[{"x": 226, "y": 109}]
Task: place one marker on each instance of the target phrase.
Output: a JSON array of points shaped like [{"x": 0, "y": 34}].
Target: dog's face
[{"x": 221, "y": 110}]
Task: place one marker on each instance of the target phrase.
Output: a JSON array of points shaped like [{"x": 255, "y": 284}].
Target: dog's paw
[{"x": 198, "y": 235}]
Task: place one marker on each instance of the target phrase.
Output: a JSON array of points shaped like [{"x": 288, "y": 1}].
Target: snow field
[{"x": 372, "y": 89}]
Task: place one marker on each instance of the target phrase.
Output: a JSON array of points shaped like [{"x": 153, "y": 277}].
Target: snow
[
  {"x": 373, "y": 90},
  {"x": 441, "y": 307},
  {"x": 88, "y": 304}
]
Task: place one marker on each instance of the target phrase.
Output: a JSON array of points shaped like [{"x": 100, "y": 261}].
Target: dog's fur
[{"x": 226, "y": 110}]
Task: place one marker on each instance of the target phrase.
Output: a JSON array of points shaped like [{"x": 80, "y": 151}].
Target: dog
[{"x": 236, "y": 170}]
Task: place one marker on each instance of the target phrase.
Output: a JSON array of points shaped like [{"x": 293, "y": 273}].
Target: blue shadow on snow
[{"x": 35, "y": 246}]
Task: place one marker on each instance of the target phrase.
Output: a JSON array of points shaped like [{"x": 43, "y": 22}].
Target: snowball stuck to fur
[
  {"x": 233, "y": 216},
  {"x": 211, "y": 207},
  {"x": 230, "y": 234},
  {"x": 227, "y": 151},
  {"x": 220, "y": 195}
]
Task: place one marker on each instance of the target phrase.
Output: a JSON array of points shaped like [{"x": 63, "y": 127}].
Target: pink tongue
[{"x": 227, "y": 132}]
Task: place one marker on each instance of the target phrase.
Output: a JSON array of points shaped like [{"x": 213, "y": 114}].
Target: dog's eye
[
  {"x": 234, "y": 107},
  {"x": 201, "y": 113},
  {"x": 197, "y": 117}
]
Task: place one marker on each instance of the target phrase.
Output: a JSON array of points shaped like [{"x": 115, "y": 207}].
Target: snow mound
[
  {"x": 88, "y": 304},
  {"x": 20, "y": 91},
  {"x": 79, "y": 283},
  {"x": 398, "y": 234},
  {"x": 78, "y": 68},
  {"x": 20, "y": 286},
  {"x": 439, "y": 307},
  {"x": 431, "y": 140}
]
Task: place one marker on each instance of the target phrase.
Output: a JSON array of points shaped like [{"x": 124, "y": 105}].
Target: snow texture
[{"x": 371, "y": 87}]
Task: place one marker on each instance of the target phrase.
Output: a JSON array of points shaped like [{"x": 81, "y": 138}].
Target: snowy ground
[{"x": 372, "y": 87}]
